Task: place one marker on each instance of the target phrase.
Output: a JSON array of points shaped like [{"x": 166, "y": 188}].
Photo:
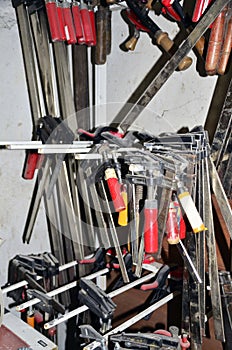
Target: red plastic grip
[
  {"x": 53, "y": 21},
  {"x": 78, "y": 24},
  {"x": 199, "y": 9},
  {"x": 168, "y": 7},
  {"x": 151, "y": 243},
  {"x": 115, "y": 193},
  {"x": 31, "y": 165},
  {"x": 85, "y": 18},
  {"x": 93, "y": 26},
  {"x": 150, "y": 286},
  {"x": 69, "y": 26},
  {"x": 38, "y": 317},
  {"x": 61, "y": 22},
  {"x": 182, "y": 227},
  {"x": 172, "y": 227}
]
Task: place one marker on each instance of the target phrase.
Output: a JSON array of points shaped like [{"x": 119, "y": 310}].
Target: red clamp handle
[
  {"x": 169, "y": 9},
  {"x": 78, "y": 24},
  {"x": 31, "y": 165},
  {"x": 86, "y": 22},
  {"x": 114, "y": 189},
  {"x": 93, "y": 26},
  {"x": 199, "y": 9},
  {"x": 53, "y": 20},
  {"x": 61, "y": 22},
  {"x": 151, "y": 243},
  {"x": 172, "y": 226},
  {"x": 69, "y": 25}
]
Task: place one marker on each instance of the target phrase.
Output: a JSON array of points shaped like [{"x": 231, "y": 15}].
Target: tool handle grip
[
  {"x": 86, "y": 22},
  {"x": 190, "y": 210},
  {"x": 200, "y": 45},
  {"x": 53, "y": 21},
  {"x": 151, "y": 242},
  {"x": 199, "y": 9},
  {"x": 172, "y": 227},
  {"x": 61, "y": 22},
  {"x": 215, "y": 43},
  {"x": 31, "y": 165},
  {"x": 170, "y": 10},
  {"x": 69, "y": 26},
  {"x": 166, "y": 43},
  {"x": 115, "y": 189},
  {"x": 226, "y": 49},
  {"x": 160, "y": 279},
  {"x": 93, "y": 26},
  {"x": 100, "y": 52},
  {"x": 123, "y": 215},
  {"x": 77, "y": 23},
  {"x": 182, "y": 227}
]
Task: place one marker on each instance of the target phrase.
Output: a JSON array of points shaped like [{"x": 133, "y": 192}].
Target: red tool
[
  {"x": 86, "y": 23},
  {"x": 215, "y": 43},
  {"x": 172, "y": 225},
  {"x": 61, "y": 21},
  {"x": 53, "y": 20},
  {"x": 168, "y": 8},
  {"x": 93, "y": 26},
  {"x": 151, "y": 226},
  {"x": 180, "y": 218},
  {"x": 31, "y": 165},
  {"x": 68, "y": 23},
  {"x": 115, "y": 189},
  {"x": 78, "y": 23},
  {"x": 199, "y": 9}
]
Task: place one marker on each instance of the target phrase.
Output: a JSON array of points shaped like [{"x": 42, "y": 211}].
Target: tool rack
[{"x": 77, "y": 148}]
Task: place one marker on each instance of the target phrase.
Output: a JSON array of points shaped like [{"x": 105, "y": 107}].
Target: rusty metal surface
[{"x": 9, "y": 340}]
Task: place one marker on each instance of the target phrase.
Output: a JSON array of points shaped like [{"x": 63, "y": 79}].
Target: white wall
[
  {"x": 15, "y": 193},
  {"x": 183, "y": 101}
]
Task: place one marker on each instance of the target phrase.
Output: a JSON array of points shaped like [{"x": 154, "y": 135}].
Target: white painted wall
[{"x": 183, "y": 101}]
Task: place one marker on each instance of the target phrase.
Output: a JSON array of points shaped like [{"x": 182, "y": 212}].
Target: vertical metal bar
[
  {"x": 212, "y": 257},
  {"x": 29, "y": 64}
]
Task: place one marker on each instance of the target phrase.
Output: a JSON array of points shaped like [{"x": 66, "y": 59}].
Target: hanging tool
[
  {"x": 98, "y": 302},
  {"x": 174, "y": 9},
  {"x": 103, "y": 33},
  {"x": 128, "y": 114},
  {"x": 215, "y": 43},
  {"x": 199, "y": 9},
  {"x": 156, "y": 34}
]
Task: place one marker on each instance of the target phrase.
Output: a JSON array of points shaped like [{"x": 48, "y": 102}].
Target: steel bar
[
  {"x": 221, "y": 135},
  {"x": 115, "y": 237},
  {"x": 36, "y": 200},
  {"x": 60, "y": 290},
  {"x": 29, "y": 64},
  {"x": 133, "y": 320},
  {"x": 129, "y": 113},
  {"x": 39, "y": 29},
  {"x": 212, "y": 258},
  {"x": 221, "y": 196},
  {"x": 111, "y": 295}
]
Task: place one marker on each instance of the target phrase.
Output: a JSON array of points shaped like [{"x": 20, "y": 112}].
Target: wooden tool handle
[
  {"x": 166, "y": 43},
  {"x": 226, "y": 49},
  {"x": 215, "y": 43},
  {"x": 100, "y": 48}
]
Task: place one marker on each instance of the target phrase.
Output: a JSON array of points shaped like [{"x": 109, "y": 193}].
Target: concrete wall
[{"x": 183, "y": 101}]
